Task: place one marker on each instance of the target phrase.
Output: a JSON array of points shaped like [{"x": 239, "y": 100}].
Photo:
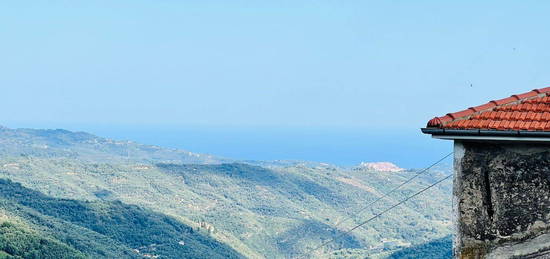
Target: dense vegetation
[
  {"x": 18, "y": 242},
  {"x": 440, "y": 248},
  {"x": 98, "y": 190},
  {"x": 129, "y": 231}
]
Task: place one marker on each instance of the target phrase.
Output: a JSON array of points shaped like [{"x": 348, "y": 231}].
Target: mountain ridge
[{"x": 89, "y": 147}]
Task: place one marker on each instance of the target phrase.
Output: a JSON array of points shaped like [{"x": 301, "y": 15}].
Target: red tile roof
[{"x": 522, "y": 112}]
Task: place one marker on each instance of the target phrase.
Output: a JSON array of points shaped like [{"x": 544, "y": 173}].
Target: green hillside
[
  {"x": 16, "y": 241},
  {"x": 71, "y": 228},
  {"x": 277, "y": 210},
  {"x": 439, "y": 248},
  {"x": 87, "y": 147}
]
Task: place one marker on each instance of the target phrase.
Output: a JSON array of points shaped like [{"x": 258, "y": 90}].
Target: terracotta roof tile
[
  {"x": 526, "y": 95},
  {"x": 505, "y": 100},
  {"x": 528, "y": 111}
]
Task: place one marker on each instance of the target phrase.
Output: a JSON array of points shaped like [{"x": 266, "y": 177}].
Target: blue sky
[{"x": 356, "y": 65}]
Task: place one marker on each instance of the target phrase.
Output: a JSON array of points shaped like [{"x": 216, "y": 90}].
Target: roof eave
[{"x": 498, "y": 135}]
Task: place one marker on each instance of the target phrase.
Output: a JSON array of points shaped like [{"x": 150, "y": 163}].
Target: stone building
[{"x": 501, "y": 187}]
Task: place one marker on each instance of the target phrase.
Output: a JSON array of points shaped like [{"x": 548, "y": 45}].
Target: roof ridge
[{"x": 491, "y": 105}]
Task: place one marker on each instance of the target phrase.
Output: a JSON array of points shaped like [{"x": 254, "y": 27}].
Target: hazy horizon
[
  {"x": 361, "y": 68},
  {"x": 339, "y": 146}
]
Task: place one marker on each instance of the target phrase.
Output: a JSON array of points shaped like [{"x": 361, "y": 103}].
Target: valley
[{"x": 254, "y": 209}]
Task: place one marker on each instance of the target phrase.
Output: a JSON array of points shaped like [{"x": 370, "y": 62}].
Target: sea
[{"x": 405, "y": 147}]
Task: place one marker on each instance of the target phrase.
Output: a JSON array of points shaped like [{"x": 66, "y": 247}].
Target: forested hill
[
  {"x": 277, "y": 210},
  {"x": 87, "y": 147},
  {"x": 439, "y": 248},
  {"x": 32, "y": 224}
]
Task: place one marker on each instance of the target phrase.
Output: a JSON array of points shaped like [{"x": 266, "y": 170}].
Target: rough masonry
[{"x": 502, "y": 199}]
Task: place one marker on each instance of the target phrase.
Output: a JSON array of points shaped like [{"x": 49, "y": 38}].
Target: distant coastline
[{"x": 406, "y": 148}]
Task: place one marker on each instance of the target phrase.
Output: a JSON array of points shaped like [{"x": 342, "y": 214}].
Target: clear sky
[{"x": 361, "y": 65}]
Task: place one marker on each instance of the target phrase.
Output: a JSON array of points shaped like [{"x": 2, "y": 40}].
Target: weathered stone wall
[{"x": 502, "y": 200}]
